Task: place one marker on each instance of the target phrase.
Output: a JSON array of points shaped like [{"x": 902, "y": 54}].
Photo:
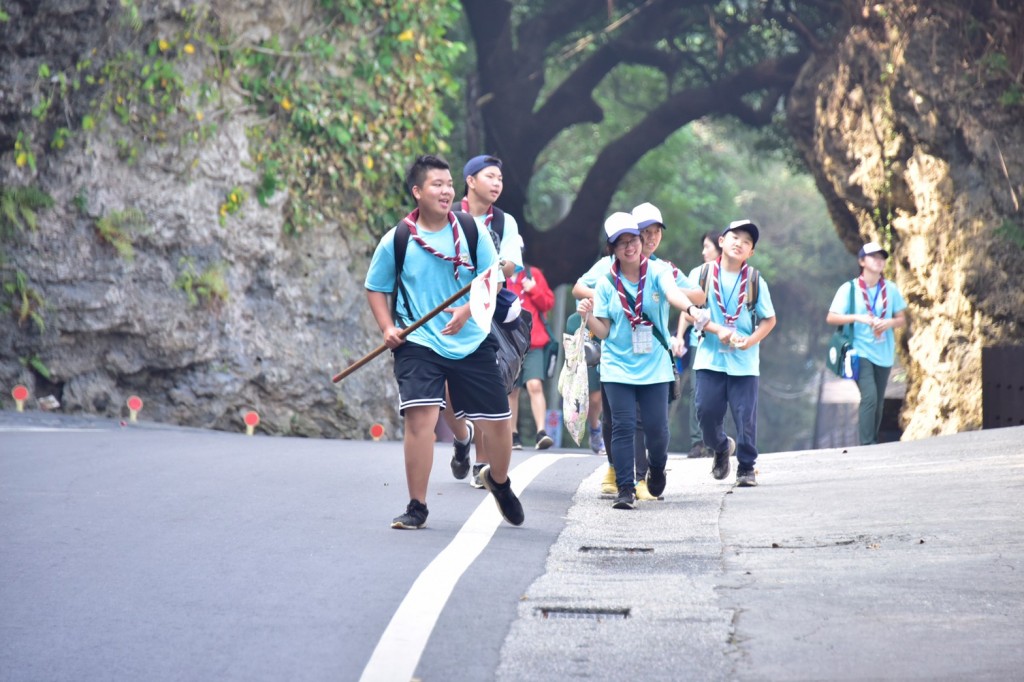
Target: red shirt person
[{"x": 536, "y": 296}]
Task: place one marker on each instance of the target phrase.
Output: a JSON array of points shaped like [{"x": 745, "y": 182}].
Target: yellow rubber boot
[
  {"x": 642, "y": 493},
  {"x": 608, "y": 485}
]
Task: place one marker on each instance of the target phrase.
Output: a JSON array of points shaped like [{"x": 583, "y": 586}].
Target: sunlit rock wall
[{"x": 913, "y": 127}]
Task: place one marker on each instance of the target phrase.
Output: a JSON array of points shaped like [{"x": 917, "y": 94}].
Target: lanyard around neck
[
  {"x": 741, "y": 282},
  {"x": 880, "y": 289},
  {"x": 635, "y": 316}
]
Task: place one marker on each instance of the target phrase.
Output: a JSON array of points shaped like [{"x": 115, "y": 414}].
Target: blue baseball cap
[{"x": 478, "y": 163}]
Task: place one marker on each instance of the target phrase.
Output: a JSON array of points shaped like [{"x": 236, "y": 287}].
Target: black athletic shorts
[{"x": 474, "y": 383}]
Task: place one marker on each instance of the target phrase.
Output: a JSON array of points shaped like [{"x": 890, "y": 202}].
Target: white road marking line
[
  {"x": 45, "y": 429},
  {"x": 400, "y": 647}
]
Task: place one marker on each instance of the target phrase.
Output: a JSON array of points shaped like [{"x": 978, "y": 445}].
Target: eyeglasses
[{"x": 626, "y": 243}]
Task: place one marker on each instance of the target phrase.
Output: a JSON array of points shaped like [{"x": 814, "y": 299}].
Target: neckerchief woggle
[{"x": 458, "y": 259}]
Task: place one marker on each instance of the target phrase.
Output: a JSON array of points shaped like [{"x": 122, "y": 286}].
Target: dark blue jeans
[
  {"x": 639, "y": 446},
  {"x": 624, "y": 401},
  {"x": 718, "y": 391}
]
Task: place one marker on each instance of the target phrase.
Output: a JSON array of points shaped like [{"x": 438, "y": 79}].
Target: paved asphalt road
[{"x": 159, "y": 553}]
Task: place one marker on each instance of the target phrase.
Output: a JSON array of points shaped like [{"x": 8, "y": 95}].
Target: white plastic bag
[{"x": 573, "y": 384}]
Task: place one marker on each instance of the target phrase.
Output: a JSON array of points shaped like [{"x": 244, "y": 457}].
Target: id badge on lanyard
[{"x": 643, "y": 339}]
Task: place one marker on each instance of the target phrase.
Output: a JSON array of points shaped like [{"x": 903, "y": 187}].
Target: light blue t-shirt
[
  {"x": 509, "y": 250},
  {"x": 428, "y": 282},
  {"x": 710, "y": 352},
  {"x": 598, "y": 270},
  {"x": 694, "y": 277},
  {"x": 880, "y": 351},
  {"x": 619, "y": 364}
]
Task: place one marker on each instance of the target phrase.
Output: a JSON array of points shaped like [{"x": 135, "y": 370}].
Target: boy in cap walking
[
  {"x": 727, "y": 361},
  {"x": 484, "y": 183}
]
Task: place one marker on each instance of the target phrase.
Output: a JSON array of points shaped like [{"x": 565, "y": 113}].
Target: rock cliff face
[
  {"x": 293, "y": 310},
  {"x": 914, "y": 128}
]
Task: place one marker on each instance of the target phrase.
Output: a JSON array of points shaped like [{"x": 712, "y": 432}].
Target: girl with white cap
[{"x": 630, "y": 314}]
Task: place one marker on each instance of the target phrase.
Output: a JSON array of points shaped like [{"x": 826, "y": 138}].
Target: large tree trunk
[{"x": 520, "y": 125}]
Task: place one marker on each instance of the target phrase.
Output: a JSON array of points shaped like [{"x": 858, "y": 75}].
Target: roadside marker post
[
  {"x": 134, "y": 407},
  {"x": 252, "y": 420},
  {"x": 20, "y": 395}
]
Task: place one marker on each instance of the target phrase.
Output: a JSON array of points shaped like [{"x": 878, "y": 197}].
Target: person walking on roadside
[
  {"x": 536, "y": 297},
  {"x": 710, "y": 251},
  {"x": 651, "y": 226},
  {"x": 727, "y": 363},
  {"x": 484, "y": 183},
  {"x": 878, "y": 308},
  {"x": 448, "y": 350},
  {"x": 630, "y": 314}
]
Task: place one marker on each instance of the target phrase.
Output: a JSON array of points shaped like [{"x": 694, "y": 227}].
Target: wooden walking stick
[{"x": 405, "y": 332}]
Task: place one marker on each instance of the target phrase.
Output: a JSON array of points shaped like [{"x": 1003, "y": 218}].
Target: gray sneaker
[
  {"x": 746, "y": 479},
  {"x": 460, "y": 458},
  {"x": 476, "y": 481},
  {"x": 721, "y": 466}
]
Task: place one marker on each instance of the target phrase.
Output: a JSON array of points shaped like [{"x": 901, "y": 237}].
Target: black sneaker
[
  {"x": 626, "y": 499},
  {"x": 544, "y": 440},
  {"x": 656, "y": 480},
  {"x": 415, "y": 516},
  {"x": 721, "y": 466},
  {"x": 460, "y": 460},
  {"x": 516, "y": 443},
  {"x": 746, "y": 478},
  {"x": 508, "y": 504}
]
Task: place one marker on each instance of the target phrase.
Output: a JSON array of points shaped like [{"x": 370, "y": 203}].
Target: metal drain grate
[
  {"x": 590, "y": 549},
  {"x": 582, "y": 614}
]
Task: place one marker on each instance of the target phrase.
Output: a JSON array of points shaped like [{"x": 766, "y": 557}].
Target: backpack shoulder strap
[
  {"x": 753, "y": 288},
  {"x": 401, "y": 245},
  {"x": 853, "y": 285},
  {"x": 702, "y": 280},
  {"x": 498, "y": 222},
  {"x": 468, "y": 224}
]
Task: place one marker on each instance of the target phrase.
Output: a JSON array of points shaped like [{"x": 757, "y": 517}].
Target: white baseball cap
[
  {"x": 872, "y": 248},
  {"x": 618, "y": 224},
  {"x": 647, "y": 214}
]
